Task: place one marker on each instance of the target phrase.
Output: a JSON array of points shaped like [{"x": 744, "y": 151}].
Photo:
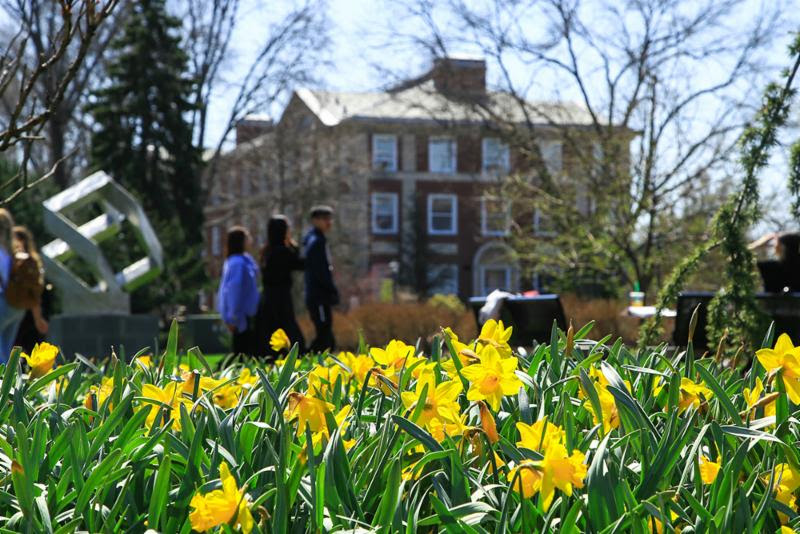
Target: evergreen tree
[{"x": 144, "y": 140}]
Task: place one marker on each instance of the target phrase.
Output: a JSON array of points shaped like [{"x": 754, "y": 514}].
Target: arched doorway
[{"x": 495, "y": 266}]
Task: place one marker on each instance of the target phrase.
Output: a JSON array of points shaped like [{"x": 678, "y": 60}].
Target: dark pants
[
  {"x": 276, "y": 310},
  {"x": 323, "y": 324},
  {"x": 245, "y": 342}
]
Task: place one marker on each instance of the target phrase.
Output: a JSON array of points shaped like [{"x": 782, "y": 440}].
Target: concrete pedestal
[
  {"x": 207, "y": 332},
  {"x": 93, "y": 335}
]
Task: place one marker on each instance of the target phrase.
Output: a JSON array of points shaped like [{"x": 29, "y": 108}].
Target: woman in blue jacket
[{"x": 237, "y": 299}]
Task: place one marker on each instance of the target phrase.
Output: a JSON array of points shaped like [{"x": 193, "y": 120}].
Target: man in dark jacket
[{"x": 321, "y": 292}]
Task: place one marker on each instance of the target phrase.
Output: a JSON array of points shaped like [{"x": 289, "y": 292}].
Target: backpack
[{"x": 25, "y": 283}]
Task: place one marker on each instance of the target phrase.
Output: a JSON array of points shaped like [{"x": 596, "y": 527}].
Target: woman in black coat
[{"x": 279, "y": 258}]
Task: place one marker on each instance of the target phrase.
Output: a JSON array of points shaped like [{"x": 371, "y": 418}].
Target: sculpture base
[
  {"x": 93, "y": 335},
  {"x": 207, "y": 332}
]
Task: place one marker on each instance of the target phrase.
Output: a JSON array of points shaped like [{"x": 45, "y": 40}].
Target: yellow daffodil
[
  {"x": 440, "y": 401},
  {"x": 608, "y": 404},
  {"x": 309, "y": 411},
  {"x": 100, "y": 392},
  {"x": 495, "y": 334},
  {"x": 463, "y": 352},
  {"x": 321, "y": 378},
  {"x": 279, "y": 341},
  {"x": 784, "y": 357},
  {"x": 539, "y": 435},
  {"x": 227, "y": 396},
  {"x": 787, "y": 530},
  {"x": 341, "y": 423},
  {"x": 708, "y": 470},
  {"x": 380, "y": 383},
  {"x": 492, "y": 378},
  {"x": 487, "y": 423},
  {"x": 560, "y": 470},
  {"x": 359, "y": 365},
  {"x": 692, "y": 394},
  {"x": 395, "y": 356},
  {"x": 440, "y": 428},
  {"x": 752, "y": 397},
  {"x": 424, "y": 369},
  {"x": 658, "y": 527},
  {"x": 169, "y": 396},
  {"x": 787, "y": 477},
  {"x": 528, "y": 476},
  {"x": 144, "y": 362},
  {"x": 246, "y": 379},
  {"x": 221, "y": 506},
  {"x": 786, "y": 497},
  {"x": 41, "y": 359},
  {"x": 466, "y": 357}
]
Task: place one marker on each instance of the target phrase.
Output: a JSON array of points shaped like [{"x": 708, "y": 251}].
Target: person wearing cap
[{"x": 320, "y": 291}]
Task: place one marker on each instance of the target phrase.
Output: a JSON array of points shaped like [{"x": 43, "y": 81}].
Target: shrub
[
  {"x": 578, "y": 437},
  {"x": 380, "y": 322}
]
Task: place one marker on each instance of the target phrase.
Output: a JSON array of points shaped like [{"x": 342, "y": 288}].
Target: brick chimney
[
  {"x": 251, "y": 127},
  {"x": 460, "y": 77}
]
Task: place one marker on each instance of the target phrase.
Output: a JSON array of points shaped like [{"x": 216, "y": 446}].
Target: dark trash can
[{"x": 531, "y": 317}]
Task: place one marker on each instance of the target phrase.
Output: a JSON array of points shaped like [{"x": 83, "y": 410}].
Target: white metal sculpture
[{"x": 110, "y": 294}]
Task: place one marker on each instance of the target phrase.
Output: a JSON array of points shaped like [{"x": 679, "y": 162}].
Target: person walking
[
  {"x": 10, "y": 316},
  {"x": 279, "y": 257},
  {"x": 237, "y": 298},
  {"x": 34, "y": 326},
  {"x": 321, "y": 293}
]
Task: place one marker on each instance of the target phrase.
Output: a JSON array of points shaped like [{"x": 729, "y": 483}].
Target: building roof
[{"x": 423, "y": 103}]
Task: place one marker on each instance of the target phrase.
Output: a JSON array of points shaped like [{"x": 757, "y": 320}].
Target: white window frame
[
  {"x": 453, "y": 230},
  {"x": 485, "y": 230},
  {"x": 395, "y": 213},
  {"x": 454, "y": 155},
  {"x": 392, "y": 165},
  {"x": 453, "y": 267},
  {"x": 505, "y": 164}
]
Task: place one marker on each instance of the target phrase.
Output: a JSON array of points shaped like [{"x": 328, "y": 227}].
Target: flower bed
[{"x": 577, "y": 436}]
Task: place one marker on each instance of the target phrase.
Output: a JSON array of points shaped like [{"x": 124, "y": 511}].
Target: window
[
  {"x": 495, "y": 267},
  {"x": 442, "y": 214},
  {"x": 541, "y": 226},
  {"x": 495, "y": 277},
  {"x": 442, "y": 155},
  {"x": 495, "y": 216},
  {"x": 216, "y": 241},
  {"x": 384, "y": 152},
  {"x": 495, "y": 155},
  {"x": 552, "y": 151},
  {"x": 384, "y": 213},
  {"x": 443, "y": 279}
]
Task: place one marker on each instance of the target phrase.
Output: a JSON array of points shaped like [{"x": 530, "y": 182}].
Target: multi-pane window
[
  {"x": 442, "y": 214},
  {"x": 495, "y": 216},
  {"x": 384, "y": 152},
  {"x": 495, "y": 155},
  {"x": 384, "y": 213},
  {"x": 442, "y": 279},
  {"x": 552, "y": 151},
  {"x": 495, "y": 277},
  {"x": 442, "y": 155}
]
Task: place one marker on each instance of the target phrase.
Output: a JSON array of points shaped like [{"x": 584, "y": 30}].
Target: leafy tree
[{"x": 144, "y": 140}]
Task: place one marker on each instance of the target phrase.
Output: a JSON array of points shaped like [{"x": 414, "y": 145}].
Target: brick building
[{"x": 412, "y": 173}]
